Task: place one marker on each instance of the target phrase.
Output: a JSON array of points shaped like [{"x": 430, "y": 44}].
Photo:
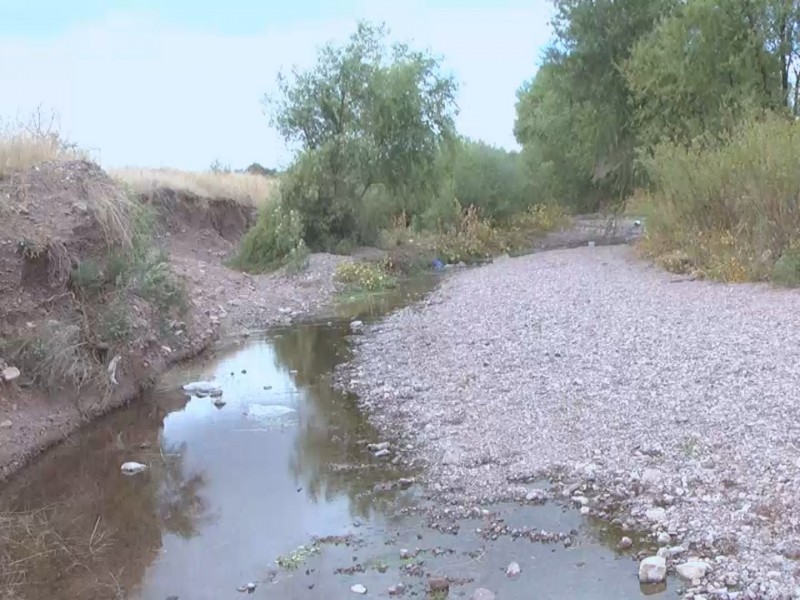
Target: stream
[{"x": 277, "y": 489}]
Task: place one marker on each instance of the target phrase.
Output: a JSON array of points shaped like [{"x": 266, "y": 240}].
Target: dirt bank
[
  {"x": 648, "y": 399},
  {"x": 59, "y": 217}
]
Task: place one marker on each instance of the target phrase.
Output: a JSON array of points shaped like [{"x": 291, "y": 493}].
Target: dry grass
[
  {"x": 21, "y": 148},
  {"x": 34, "y": 548},
  {"x": 245, "y": 188}
]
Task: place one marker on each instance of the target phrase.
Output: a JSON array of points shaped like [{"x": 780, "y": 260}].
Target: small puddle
[{"x": 277, "y": 488}]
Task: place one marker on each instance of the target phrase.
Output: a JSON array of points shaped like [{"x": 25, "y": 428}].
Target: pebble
[
  {"x": 7, "y": 424},
  {"x": 692, "y": 570},
  {"x": 483, "y": 594},
  {"x": 358, "y": 589},
  {"x": 664, "y": 538},
  {"x": 513, "y": 569},
  {"x": 625, "y": 544}
]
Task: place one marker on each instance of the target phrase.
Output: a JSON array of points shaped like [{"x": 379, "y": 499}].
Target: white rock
[
  {"x": 202, "y": 387},
  {"x": 357, "y": 326},
  {"x": 652, "y": 477},
  {"x": 676, "y": 550},
  {"x": 483, "y": 594},
  {"x": 653, "y": 570},
  {"x": 132, "y": 468},
  {"x": 358, "y": 589},
  {"x": 513, "y": 569},
  {"x": 664, "y": 538},
  {"x": 692, "y": 570},
  {"x": 656, "y": 514},
  {"x": 9, "y": 374},
  {"x": 625, "y": 543},
  {"x": 585, "y": 510},
  {"x": 6, "y": 424}
]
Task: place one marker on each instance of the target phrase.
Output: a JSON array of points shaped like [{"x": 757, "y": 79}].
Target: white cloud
[{"x": 141, "y": 92}]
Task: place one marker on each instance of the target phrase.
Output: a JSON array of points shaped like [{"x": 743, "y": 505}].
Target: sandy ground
[{"x": 650, "y": 400}]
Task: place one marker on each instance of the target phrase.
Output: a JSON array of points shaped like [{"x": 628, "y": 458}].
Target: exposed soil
[
  {"x": 50, "y": 219},
  {"x": 651, "y": 401}
]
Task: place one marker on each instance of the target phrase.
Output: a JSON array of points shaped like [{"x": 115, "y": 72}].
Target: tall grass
[
  {"x": 24, "y": 144},
  {"x": 246, "y": 188},
  {"x": 731, "y": 210}
]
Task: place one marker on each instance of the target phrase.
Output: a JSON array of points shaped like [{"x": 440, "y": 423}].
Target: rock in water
[
  {"x": 692, "y": 570},
  {"x": 202, "y": 388},
  {"x": 653, "y": 570},
  {"x": 219, "y": 402},
  {"x": 625, "y": 544},
  {"x": 357, "y": 326},
  {"x": 132, "y": 468},
  {"x": 358, "y": 589},
  {"x": 513, "y": 570},
  {"x": 482, "y": 594},
  {"x": 438, "y": 585}
]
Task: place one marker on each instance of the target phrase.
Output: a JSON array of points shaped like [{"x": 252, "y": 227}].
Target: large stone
[
  {"x": 692, "y": 570},
  {"x": 132, "y": 468},
  {"x": 653, "y": 570},
  {"x": 9, "y": 374},
  {"x": 651, "y": 477},
  {"x": 656, "y": 514}
]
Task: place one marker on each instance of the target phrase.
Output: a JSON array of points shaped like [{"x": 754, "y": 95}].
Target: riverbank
[
  {"x": 100, "y": 292},
  {"x": 650, "y": 400}
]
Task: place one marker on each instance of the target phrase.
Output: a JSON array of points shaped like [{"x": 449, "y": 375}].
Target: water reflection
[{"x": 227, "y": 490}]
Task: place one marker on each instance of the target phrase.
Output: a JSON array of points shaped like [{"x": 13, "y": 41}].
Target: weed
[
  {"x": 114, "y": 324},
  {"x": 277, "y": 234},
  {"x": 732, "y": 207},
  {"x": 364, "y": 277},
  {"x": 295, "y": 559}
]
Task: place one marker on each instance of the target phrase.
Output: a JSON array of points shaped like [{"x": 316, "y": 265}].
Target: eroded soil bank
[
  {"x": 57, "y": 217},
  {"x": 649, "y": 400}
]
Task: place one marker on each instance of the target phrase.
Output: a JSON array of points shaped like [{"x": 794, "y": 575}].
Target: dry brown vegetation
[
  {"x": 25, "y": 145},
  {"x": 245, "y": 188}
]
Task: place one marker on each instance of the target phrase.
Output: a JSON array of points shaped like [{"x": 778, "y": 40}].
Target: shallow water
[{"x": 230, "y": 489}]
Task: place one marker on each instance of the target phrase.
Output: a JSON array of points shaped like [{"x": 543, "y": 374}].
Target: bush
[
  {"x": 364, "y": 277},
  {"x": 491, "y": 179},
  {"x": 277, "y": 234},
  {"x": 732, "y": 207}
]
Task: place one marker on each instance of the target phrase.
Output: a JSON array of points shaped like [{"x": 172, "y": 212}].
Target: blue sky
[{"x": 179, "y": 84}]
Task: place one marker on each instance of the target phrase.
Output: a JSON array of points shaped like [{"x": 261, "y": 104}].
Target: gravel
[{"x": 675, "y": 402}]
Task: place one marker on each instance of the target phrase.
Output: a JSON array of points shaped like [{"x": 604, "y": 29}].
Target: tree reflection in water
[
  {"x": 97, "y": 531},
  {"x": 330, "y": 458}
]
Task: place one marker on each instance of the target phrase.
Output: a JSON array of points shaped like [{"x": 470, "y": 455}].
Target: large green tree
[
  {"x": 370, "y": 120},
  {"x": 578, "y": 114}
]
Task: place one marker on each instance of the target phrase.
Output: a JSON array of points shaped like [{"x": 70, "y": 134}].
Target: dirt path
[{"x": 662, "y": 403}]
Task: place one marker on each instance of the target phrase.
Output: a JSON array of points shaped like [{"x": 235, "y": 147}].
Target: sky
[{"x": 180, "y": 84}]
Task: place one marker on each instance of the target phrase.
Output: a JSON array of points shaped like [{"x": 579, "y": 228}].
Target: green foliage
[
  {"x": 276, "y": 237},
  {"x": 114, "y": 323},
  {"x": 731, "y": 208},
  {"x": 576, "y": 120},
  {"x": 364, "y": 277},
  {"x": 491, "y": 179},
  {"x": 702, "y": 70},
  {"x": 371, "y": 123},
  {"x": 787, "y": 269}
]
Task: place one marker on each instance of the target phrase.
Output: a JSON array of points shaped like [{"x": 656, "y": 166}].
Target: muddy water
[{"x": 233, "y": 493}]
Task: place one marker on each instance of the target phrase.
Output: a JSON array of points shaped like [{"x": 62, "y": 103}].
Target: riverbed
[{"x": 281, "y": 489}]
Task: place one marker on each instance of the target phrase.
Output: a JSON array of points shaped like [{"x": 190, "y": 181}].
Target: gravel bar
[{"x": 653, "y": 401}]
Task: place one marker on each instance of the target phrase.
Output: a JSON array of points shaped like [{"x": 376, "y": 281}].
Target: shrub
[
  {"x": 732, "y": 207},
  {"x": 364, "y": 277},
  {"x": 491, "y": 179},
  {"x": 277, "y": 234}
]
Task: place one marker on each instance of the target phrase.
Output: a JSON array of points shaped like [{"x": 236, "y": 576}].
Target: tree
[
  {"x": 584, "y": 85},
  {"x": 370, "y": 121},
  {"x": 703, "y": 68}
]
